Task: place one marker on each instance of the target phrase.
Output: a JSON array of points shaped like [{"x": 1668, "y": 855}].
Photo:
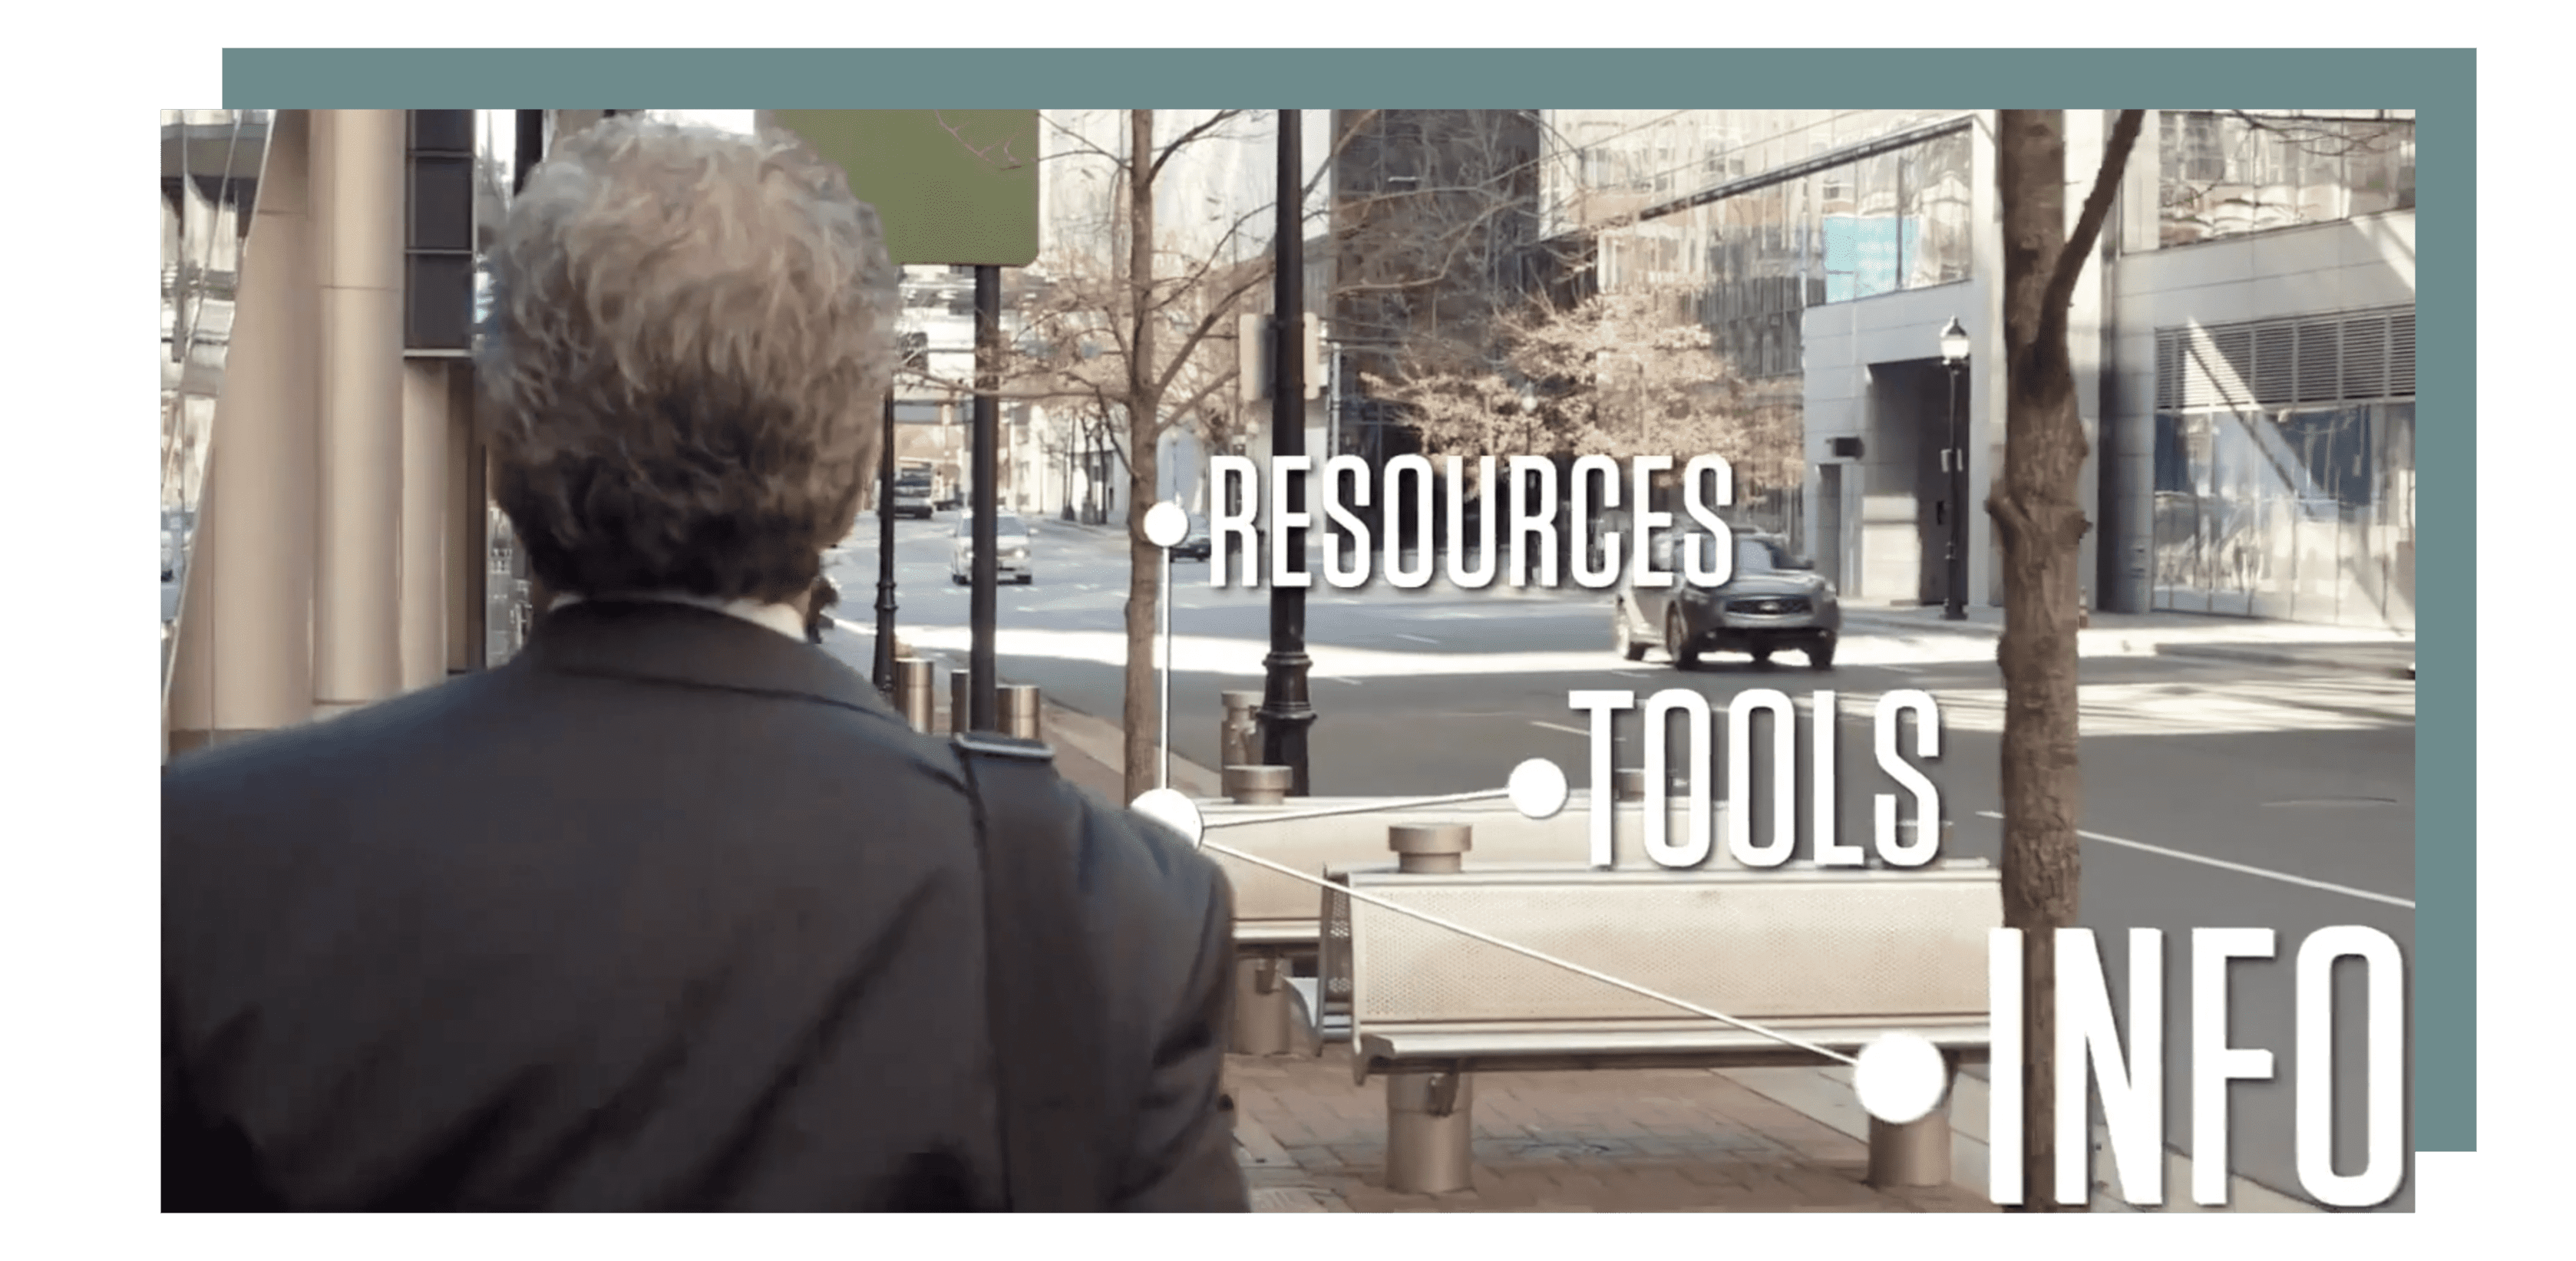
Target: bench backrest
[
  {"x": 1502, "y": 836},
  {"x": 1796, "y": 943}
]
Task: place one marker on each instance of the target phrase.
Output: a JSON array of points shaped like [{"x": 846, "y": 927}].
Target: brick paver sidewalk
[{"x": 1644, "y": 1140}]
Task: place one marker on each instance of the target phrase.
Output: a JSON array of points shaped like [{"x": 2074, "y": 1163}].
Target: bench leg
[
  {"x": 1916, "y": 1154},
  {"x": 1264, "y": 1007},
  {"x": 1430, "y": 1128}
]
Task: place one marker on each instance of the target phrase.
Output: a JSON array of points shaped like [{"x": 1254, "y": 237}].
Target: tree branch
[
  {"x": 1214, "y": 121},
  {"x": 2088, "y": 225},
  {"x": 1217, "y": 311}
]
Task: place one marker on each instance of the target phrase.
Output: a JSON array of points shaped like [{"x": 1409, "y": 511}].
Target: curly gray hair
[{"x": 690, "y": 336}]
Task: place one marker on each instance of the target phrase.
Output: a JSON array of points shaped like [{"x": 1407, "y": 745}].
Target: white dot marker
[
  {"x": 1900, "y": 1078},
  {"x": 1537, "y": 788},
  {"x": 1166, "y": 524},
  {"x": 1173, "y": 809}
]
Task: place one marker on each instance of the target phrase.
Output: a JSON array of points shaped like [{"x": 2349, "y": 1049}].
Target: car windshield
[
  {"x": 1752, "y": 555},
  {"x": 1004, "y": 526}
]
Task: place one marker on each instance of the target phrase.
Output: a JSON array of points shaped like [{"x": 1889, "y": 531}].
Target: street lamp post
[
  {"x": 914, "y": 350},
  {"x": 1954, "y": 461},
  {"x": 985, "y": 496},
  {"x": 885, "y": 551},
  {"x": 1285, "y": 713}
]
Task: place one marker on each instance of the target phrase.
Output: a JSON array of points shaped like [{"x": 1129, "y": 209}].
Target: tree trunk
[
  {"x": 2038, "y": 511},
  {"x": 1144, "y": 720}
]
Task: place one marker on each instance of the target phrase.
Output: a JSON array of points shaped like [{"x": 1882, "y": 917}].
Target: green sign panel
[{"x": 955, "y": 186}]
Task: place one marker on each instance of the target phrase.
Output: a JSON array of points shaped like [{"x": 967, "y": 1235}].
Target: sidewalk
[
  {"x": 1632, "y": 1141},
  {"x": 2188, "y": 635}
]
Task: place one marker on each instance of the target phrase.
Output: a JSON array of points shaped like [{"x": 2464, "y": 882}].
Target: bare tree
[
  {"x": 1140, "y": 338},
  {"x": 2038, "y": 512},
  {"x": 1142, "y": 333},
  {"x": 1626, "y": 373}
]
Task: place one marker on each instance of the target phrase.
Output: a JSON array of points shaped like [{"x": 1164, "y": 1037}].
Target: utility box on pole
[{"x": 1255, "y": 373}]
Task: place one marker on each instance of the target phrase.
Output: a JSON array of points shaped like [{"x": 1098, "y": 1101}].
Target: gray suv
[{"x": 1772, "y": 600}]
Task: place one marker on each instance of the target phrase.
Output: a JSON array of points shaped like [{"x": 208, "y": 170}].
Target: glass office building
[{"x": 1826, "y": 249}]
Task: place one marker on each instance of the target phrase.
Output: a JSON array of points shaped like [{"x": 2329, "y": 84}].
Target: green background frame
[{"x": 956, "y": 186}]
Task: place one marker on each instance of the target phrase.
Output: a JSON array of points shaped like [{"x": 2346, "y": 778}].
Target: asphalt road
[{"x": 2301, "y": 780}]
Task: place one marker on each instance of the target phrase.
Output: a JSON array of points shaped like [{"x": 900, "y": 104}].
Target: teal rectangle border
[{"x": 2439, "y": 83}]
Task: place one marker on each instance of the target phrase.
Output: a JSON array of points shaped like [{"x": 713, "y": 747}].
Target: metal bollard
[
  {"x": 914, "y": 689},
  {"x": 1430, "y": 1125},
  {"x": 1915, "y": 1154},
  {"x": 1430, "y": 847},
  {"x": 1264, "y": 1006},
  {"x": 1430, "y": 1133},
  {"x": 1257, "y": 785},
  {"x": 1016, "y": 706},
  {"x": 1239, "y": 737}
]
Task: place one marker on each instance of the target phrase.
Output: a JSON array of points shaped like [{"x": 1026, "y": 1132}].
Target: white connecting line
[
  {"x": 2224, "y": 865},
  {"x": 1434, "y": 920},
  {"x": 1365, "y": 808}
]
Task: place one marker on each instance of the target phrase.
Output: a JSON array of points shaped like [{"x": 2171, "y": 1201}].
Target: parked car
[
  {"x": 1010, "y": 550},
  {"x": 1773, "y": 600},
  {"x": 1195, "y": 546}
]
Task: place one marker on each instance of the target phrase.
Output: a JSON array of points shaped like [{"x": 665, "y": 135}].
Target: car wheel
[
  {"x": 1676, "y": 642},
  {"x": 1820, "y": 657},
  {"x": 1623, "y": 635}
]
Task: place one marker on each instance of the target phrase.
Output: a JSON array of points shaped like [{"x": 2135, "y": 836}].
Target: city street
[{"x": 2217, "y": 794}]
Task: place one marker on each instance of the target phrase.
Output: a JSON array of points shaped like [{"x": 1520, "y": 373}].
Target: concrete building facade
[{"x": 328, "y": 541}]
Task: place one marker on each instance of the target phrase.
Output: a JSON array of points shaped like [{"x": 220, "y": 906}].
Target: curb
[
  {"x": 2270, "y": 656},
  {"x": 1907, "y": 625}
]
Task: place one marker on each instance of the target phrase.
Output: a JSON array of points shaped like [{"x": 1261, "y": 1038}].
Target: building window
[
  {"x": 2284, "y": 469},
  {"x": 2225, "y": 173}
]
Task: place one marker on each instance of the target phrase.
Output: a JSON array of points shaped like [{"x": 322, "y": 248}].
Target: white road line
[
  {"x": 2223, "y": 864},
  {"x": 1415, "y": 638},
  {"x": 1557, "y": 726}
]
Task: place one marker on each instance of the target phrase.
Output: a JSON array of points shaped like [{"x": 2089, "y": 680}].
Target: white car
[{"x": 1010, "y": 550}]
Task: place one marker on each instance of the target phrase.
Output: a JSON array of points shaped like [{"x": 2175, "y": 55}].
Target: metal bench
[
  {"x": 1832, "y": 957},
  {"x": 1275, "y": 919}
]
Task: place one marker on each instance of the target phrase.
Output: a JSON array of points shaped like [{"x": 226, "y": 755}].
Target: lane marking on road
[
  {"x": 2225, "y": 865},
  {"x": 1558, "y": 726},
  {"x": 1419, "y": 639}
]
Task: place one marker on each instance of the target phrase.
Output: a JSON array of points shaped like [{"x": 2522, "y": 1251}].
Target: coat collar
[{"x": 693, "y": 646}]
